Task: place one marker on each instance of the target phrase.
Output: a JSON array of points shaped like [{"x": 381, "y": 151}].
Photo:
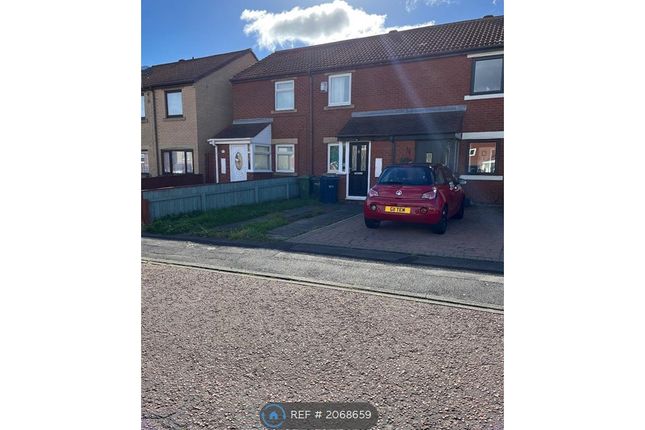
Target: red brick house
[{"x": 351, "y": 108}]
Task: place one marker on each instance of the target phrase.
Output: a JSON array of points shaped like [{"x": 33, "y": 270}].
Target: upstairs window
[
  {"x": 488, "y": 76},
  {"x": 143, "y": 106},
  {"x": 340, "y": 89},
  {"x": 174, "y": 105},
  {"x": 284, "y": 98}
]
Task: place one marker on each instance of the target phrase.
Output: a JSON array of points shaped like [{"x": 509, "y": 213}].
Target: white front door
[{"x": 239, "y": 162}]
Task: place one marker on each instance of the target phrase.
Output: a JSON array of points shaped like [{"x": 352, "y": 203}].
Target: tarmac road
[{"x": 217, "y": 346}]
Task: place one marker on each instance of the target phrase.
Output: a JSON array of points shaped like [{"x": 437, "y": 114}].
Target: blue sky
[{"x": 174, "y": 29}]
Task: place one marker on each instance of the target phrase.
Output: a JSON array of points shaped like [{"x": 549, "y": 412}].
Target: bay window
[{"x": 260, "y": 157}]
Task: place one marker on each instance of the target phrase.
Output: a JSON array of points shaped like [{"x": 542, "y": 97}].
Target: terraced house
[
  {"x": 182, "y": 104},
  {"x": 350, "y": 108}
]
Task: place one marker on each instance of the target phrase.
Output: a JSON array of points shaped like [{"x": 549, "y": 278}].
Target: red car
[{"x": 417, "y": 193}]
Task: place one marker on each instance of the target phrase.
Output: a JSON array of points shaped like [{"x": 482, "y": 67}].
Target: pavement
[
  {"x": 474, "y": 289},
  {"x": 332, "y": 214},
  {"x": 217, "y": 346}
]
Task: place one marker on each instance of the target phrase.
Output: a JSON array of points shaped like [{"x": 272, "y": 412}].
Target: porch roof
[
  {"x": 402, "y": 125},
  {"x": 242, "y": 131}
]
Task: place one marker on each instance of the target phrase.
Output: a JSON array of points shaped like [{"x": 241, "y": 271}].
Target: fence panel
[{"x": 172, "y": 201}]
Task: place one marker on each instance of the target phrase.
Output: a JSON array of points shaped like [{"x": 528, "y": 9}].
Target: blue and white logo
[{"x": 273, "y": 415}]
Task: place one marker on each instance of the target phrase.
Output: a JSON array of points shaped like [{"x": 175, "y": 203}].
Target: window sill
[
  {"x": 175, "y": 118},
  {"x": 482, "y": 177},
  {"x": 484, "y": 96},
  {"x": 284, "y": 111},
  {"x": 260, "y": 171},
  {"x": 339, "y": 107},
  {"x": 336, "y": 173},
  {"x": 285, "y": 173}
]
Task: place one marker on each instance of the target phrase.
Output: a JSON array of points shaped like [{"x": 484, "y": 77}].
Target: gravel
[{"x": 216, "y": 347}]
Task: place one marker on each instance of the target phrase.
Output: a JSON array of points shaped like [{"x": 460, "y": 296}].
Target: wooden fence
[{"x": 171, "y": 201}]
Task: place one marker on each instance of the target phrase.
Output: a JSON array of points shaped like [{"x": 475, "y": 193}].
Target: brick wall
[
  {"x": 214, "y": 97},
  {"x": 207, "y": 108},
  {"x": 428, "y": 83}
]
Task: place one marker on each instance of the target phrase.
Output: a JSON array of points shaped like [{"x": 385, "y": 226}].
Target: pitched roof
[
  {"x": 241, "y": 131},
  {"x": 187, "y": 71},
  {"x": 477, "y": 34}
]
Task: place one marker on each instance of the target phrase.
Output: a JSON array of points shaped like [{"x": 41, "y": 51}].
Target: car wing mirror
[{"x": 462, "y": 181}]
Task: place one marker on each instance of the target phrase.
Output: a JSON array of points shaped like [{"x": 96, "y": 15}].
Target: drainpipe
[
  {"x": 154, "y": 121},
  {"x": 216, "y": 165},
  {"x": 311, "y": 119}
]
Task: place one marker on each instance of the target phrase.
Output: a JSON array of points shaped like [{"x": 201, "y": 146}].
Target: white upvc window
[
  {"x": 284, "y": 95},
  {"x": 284, "y": 159},
  {"x": 340, "y": 89},
  {"x": 336, "y": 158},
  {"x": 143, "y": 106},
  {"x": 260, "y": 158},
  {"x": 145, "y": 166}
]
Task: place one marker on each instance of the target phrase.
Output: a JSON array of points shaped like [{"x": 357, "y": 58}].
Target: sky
[{"x": 174, "y": 29}]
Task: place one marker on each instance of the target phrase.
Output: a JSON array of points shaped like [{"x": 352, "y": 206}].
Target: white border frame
[
  {"x": 293, "y": 154},
  {"x": 484, "y": 96},
  {"x": 275, "y": 94},
  {"x": 481, "y": 135},
  {"x": 369, "y": 170},
  {"x": 338, "y": 75},
  {"x": 482, "y": 177}
]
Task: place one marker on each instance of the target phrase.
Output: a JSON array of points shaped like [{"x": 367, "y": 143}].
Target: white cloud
[
  {"x": 326, "y": 22},
  {"x": 410, "y": 5}
]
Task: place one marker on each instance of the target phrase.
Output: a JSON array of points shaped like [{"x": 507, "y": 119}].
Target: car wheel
[
  {"x": 442, "y": 226},
  {"x": 460, "y": 212},
  {"x": 372, "y": 223}
]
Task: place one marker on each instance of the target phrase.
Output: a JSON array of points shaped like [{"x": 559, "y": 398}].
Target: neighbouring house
[
  {"x": 182, "y": 104},
  {"x": 350, "y": 108}
]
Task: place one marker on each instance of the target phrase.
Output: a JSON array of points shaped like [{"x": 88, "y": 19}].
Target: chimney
[{"x": 488, "y": 16}]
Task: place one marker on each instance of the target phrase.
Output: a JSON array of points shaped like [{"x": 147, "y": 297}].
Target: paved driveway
[{"x": 479, "y": 235}]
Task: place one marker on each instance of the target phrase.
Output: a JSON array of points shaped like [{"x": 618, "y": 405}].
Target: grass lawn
[{"x": 203, "y": 223}]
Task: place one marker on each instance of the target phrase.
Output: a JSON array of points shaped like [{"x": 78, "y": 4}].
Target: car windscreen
[{"x": 406, "y": 176}]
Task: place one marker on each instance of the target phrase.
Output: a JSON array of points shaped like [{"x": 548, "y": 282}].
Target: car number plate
[{"x": 397, "y": 209}]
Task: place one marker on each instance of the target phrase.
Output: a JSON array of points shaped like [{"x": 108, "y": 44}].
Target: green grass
[
  {"x": 253, "y": 231},
  {"x": 202, "y": 223}
]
